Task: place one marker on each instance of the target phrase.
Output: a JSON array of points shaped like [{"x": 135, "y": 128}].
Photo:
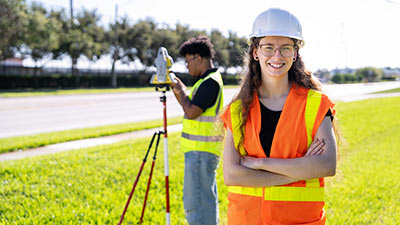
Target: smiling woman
[{"x": 279, "y": 142}]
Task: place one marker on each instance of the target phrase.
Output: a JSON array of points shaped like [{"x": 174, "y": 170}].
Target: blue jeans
[{"x": 200, "y": 197}]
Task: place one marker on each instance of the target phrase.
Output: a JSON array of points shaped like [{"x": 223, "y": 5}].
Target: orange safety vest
[{"x": 300, "y": 202}]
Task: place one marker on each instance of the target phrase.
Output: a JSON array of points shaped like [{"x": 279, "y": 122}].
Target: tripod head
[{"x": 164, "y": 77}]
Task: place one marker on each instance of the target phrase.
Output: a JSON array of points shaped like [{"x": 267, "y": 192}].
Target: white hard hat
[{"x": 277, "y": 22}]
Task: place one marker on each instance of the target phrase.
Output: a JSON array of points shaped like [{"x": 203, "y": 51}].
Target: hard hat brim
[{"x": 269, "y": 34}]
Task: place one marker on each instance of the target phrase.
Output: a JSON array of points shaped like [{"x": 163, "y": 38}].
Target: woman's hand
[{"x": 316, "y": 147}]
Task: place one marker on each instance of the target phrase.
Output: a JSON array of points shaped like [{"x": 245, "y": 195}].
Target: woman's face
[{"x": 276, "y": 55}]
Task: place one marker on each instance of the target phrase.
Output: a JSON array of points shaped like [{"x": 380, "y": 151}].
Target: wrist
[{"x": 262, "y": 162}]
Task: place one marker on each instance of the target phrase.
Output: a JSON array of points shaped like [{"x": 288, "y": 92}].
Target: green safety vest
[{"x": 201, "y": 134}]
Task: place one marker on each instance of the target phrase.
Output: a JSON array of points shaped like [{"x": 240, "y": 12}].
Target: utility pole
[
  {"x": 115, "y": 55},
  {"x": 343, "y": 44},
  {"x": 116, "y": 24},
  {"x": 72, "y": 12},
  {"x": 74, "y": 61},
  {"x": 116, "y": 50}
]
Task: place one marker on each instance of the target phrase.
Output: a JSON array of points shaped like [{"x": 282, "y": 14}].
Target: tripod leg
[
  {"x": 166, "y": 165},
  {"x": 148, "y": 183},
  {"x": 137, "y": 179}
]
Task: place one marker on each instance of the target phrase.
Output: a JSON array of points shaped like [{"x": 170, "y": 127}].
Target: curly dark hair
[
  {"x": 200, "y": 45},
  {"x": 251, "y": 80}
]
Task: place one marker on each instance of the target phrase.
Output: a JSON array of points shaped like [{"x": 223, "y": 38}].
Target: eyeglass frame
[
  {"x": 275, "y": 48},
  {"x": 191, "y": 59}
]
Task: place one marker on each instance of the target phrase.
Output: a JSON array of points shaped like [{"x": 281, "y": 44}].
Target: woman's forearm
[
  {"x": 303, "y": 168},
  {"x": 307, "y": 167},
  {"x": 239, "y": 175}
]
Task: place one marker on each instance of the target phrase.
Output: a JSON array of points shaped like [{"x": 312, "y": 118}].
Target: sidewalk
[
  {"x": 61, "y": 147},
  {"x": 84, "y": 143}
]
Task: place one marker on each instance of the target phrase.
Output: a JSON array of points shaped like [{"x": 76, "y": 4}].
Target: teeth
[{"x": 276, "y": 65}]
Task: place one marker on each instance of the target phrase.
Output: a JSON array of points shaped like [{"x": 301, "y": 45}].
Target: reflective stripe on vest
[
  {"x": 200, "y": 134},
  {"x": 252, "y": 191},
  {"x": 236, "y": 108},
  {"x": 298, "y": 194},
  {"x": 312, "y": 191},
  {"x": 202, "y": 138},
  {"x": 312, "y": 106}
]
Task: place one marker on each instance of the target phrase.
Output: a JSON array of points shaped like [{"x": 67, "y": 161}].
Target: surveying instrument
[{"x": 162, "y": 81}]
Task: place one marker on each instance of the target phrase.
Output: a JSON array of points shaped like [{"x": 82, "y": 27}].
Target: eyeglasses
[
  {"x": 268, "y": 50},
  {"x": 191, "y": 59}
]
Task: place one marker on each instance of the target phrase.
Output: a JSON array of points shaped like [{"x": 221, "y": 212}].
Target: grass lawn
[
  {"x": 91, "y": 186},
  {"x": 366, "y": 187},
  {"x": 389, "y": 91}
]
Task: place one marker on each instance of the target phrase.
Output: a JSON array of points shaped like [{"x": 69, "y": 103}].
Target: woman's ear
[
  {"x": 255, "y": 56},
  {"x": 295, "y": 56}
]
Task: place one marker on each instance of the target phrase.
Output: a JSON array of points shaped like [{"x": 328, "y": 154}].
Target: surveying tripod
[{"x": 163, "y": 99}]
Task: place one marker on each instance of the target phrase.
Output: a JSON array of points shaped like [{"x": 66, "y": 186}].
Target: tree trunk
[
  {"x": 75, "y": 73},
  {"x": 113, "y": 74},
  {"x": 35, "y": 77}
]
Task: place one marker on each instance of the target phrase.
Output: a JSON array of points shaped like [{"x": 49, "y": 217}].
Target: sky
[{"x": 337, "y": 34}]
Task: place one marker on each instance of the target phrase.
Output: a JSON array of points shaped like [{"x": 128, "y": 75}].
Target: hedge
[{"x": 91, "y": 81}]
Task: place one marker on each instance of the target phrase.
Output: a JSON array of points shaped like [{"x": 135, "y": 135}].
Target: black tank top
[{"x": 269, "y": 121}]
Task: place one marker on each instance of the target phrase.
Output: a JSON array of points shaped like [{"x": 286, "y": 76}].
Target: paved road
[{"x": 31, "y": 115}]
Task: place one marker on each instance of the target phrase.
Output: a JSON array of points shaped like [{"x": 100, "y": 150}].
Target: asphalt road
[{"x": 31, "y": 115}]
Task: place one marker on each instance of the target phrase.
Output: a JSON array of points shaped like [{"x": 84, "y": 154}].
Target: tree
[
  {"x": 81, "y": 37},
  {"x": 221, "y": 48},
  {"x": 12, "y": 26},
  {"x": 142, "y": 39},
  {"x": 237, "y": 48},
  {"x": 43, "y": 36},
  {"x": 120, "y": 37},
  {"x": 95, "y": 45},
  {"x": 349, "y": 78},
  {"x": 337, "y": 78},
  {"x": 370, "y": 74},
  {"x": 184, "y": 33},
  {"x": 165, "y": 37}
]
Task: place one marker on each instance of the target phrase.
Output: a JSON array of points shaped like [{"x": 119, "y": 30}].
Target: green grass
[
  {"x": 40, "y": 92},
  {"x": 91, "y": 186},
  {"x": 366, "y": 187},
  {"x": 389, "y": 91},
  {"x": 37, "y": 140}
]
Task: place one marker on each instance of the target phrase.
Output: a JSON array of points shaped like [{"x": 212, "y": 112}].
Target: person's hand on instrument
[{"x": 178, "y": 85}]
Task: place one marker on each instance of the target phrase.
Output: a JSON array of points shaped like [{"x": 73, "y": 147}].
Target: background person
[
  {"x": 279, "y": 141},
  {"x": 200, "y": 143}
]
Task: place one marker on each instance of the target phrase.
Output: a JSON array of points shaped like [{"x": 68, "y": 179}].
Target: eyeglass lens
[{"x": 269, "y": 50}]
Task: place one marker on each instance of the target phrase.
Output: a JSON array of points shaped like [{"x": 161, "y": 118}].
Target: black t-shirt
[
  {"x": 207, "y": 92},
  {"x": 269, "y": 121}
]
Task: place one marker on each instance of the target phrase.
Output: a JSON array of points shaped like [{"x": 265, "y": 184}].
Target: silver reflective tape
[
  {"x": 202, "y": 138},
  {"x": 204, "y": 118}
]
